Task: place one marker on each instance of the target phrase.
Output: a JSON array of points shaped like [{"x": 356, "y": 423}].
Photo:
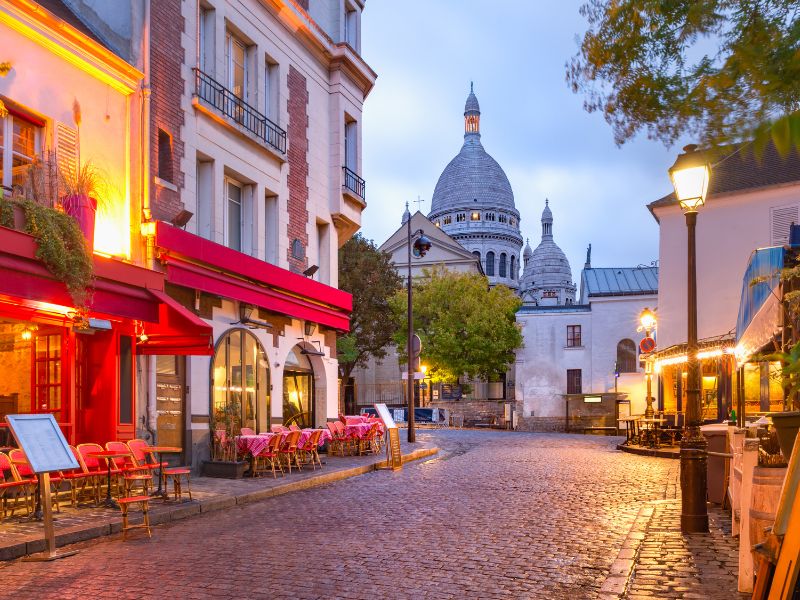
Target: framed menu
[
  {"x": 41, "y": 439},
  {"x": 386, "y": 416}
]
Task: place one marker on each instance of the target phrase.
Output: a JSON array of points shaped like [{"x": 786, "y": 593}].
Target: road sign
[{"x": 647, "y": 345}]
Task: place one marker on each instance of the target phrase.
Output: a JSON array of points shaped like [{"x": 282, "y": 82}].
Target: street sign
[
  {"x": 417, "y": 375},
  {"x": 647, "y": 345}
]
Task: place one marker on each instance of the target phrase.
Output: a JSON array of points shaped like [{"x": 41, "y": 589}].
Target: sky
[{"x": 426, "y": 52}]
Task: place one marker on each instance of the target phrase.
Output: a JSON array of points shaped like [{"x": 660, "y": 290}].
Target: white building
[{"x": 579, "y": 358}]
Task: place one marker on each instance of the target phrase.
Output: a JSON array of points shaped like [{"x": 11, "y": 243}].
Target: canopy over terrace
[{"x": 83, "y": 371}]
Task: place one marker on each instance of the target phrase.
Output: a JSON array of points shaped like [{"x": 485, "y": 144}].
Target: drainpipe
[{"x": 145, "y": 128}]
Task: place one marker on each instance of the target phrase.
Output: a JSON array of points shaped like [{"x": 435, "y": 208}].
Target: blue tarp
[{"x": 764, "y": 268}]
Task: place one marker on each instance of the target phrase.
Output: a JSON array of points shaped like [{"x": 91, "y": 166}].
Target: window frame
[
  {"x": 490, "y": 263},
  {"x": 230, "y": 39},
  {"x": 626, "y": 363},
  {"x": 574, "y": 336},
  {"x": 230, "y": 181},
  {"x": 574, "y": 381},
  {"x": 7, "y": 151}
]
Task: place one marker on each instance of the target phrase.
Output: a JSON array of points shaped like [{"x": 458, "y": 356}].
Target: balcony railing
[
  {"x": 354, "y": 183},
  {"x": 239, "y": 111}
]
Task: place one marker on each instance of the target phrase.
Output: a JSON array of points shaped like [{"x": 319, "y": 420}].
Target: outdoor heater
[{"x": 690, "y": 176}]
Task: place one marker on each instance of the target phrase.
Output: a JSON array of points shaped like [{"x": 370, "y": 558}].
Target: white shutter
[
  {"x": 781, "y": 219},
  {"x": 66, "y": 149}
]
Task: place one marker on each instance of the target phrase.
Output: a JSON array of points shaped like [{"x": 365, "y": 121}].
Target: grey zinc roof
[
  {"x": 472, "y": 103},
  {"x": 625, "y": 281}
]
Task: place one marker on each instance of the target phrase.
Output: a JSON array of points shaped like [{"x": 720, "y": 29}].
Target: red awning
[{"x": 178, "y": 331}]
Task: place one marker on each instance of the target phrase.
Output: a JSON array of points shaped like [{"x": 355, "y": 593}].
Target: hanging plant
[
  {"x": 6, "y": 213},
  {"x": 62, "y": 248}
]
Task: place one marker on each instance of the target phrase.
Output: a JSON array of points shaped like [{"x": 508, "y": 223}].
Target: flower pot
[
  {"x": 226, "y": 469},
  {"x": 787, "y": 425},
  {"x": 83, "y": 209}
]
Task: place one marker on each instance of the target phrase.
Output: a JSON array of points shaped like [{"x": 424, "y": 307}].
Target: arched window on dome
[
  {"x": 477, "y": 255},
  {"x": 448, "y": 219},
  {"x": 489, "y": 216},
  {"x": 502, "y": 269},
  {"x": 461, "y": 217},
  {"x": 626, "y": 356},
  {"x": 513, "y": 267},
  {"x": 502, "y": 218},
  {"x": 490, "y": 264}
]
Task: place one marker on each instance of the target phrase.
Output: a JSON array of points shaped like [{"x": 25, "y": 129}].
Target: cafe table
[
  {"x": 159, "y": 450},
  {"x": 107, "y": 455}
]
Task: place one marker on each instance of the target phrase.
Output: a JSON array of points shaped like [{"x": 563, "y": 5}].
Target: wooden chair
[
  {"x": 99, "y": 468},
  {"x": 311, "y": 449},
  {"x": 176, "y": 473},
  {"x": 293, "y": 427},
  {"x": 12, "y": 483},
  {"x": 269, "y": 455},
  {"x": 349, "y": 443},
  {"x": 25, "y": 471},
  {"x": 124, "y": 504},
  {"x": 336, "y": 443},
  {"x": 133, "y": 472},
  {"x": 81, "y": 478},
  {"x": 368, "y": 443},
  {"x": 288, "y": 450}
]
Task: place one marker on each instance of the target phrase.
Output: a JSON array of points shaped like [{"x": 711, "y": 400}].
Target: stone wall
[{"x": 472, "y": 411}]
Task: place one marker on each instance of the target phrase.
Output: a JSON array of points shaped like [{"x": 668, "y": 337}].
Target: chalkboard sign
[
  {"x": 451, "y": 391},
  {"x": 44, "y": 445},
  {"x": 395, "y": 458},
  {"x": 386, "y": 416}
]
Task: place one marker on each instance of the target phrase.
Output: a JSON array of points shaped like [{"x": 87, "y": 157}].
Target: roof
[
  {"x": 555, "y": 308},
  {"x": 624, "y": 281},
  {"x": 739, "y": 168},
  {"x": 63, "y": 12}
]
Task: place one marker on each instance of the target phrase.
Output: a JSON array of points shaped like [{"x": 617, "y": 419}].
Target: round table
[
  {"x": 108, "y": 455},
  {"x": 159, "y": 450}
]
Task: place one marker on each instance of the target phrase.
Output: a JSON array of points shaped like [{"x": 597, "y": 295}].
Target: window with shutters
[
  {"x": 781, "y": 220},
  {"x": 66, "y": 144},
  {"x": 20, "y": 141}
]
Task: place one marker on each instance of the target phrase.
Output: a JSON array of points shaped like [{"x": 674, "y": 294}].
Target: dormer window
[
  {"x": 448, "y": 219},
  {"x": 489, "y": 216},
  {"x": 461, "y": 217},
  {"x": 476, "y": 216},
  {"x": 502, "y": 218}
]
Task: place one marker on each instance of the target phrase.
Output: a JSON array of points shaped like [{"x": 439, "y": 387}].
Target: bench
[
  {"x": 603, "y": 430},
  {"x": 492, "y": 422}
]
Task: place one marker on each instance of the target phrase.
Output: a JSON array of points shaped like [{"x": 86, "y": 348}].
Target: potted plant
[
  {"x": 787, "y": 423},
  {"x": 224, "y": 426},
  {"x": 83, "y": 188}
]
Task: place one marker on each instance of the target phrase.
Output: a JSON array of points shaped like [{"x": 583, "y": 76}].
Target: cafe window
[
  {"x": 19, "y": 145},
  {"x": 240, "y": 383},
  {"x": 126, "y": 379},
  {"x": 573, "y": 336},
  {"x": 298, "y": 390},
  {"x": 574, "y": 384}
]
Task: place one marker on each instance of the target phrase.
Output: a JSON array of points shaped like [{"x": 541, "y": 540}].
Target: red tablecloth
[
  {"x": 360, "y": 430},
  {"x": 252, "y": 444}
]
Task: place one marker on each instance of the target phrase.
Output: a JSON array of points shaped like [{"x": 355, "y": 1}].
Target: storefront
[
  {"x": 81, "y": 366},
  {"x": 298, "y": 390},
  {"x": 717, "y": 365}
]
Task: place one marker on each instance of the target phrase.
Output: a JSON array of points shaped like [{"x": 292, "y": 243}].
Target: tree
[
  {"x": 722, "y": 71},
  {"x": 368, "y": 274},
  {"x": 466, "y": 327}
]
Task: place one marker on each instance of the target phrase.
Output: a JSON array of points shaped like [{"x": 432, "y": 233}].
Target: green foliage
[
  {"x": 719, "y": 70},
  {"x": 367, "y": 274},
  {"x": 6, "y": 213},
  {"x": 790, "y": 371},
  {"x": 466, "y": 328},
  {"x": 62, "y": 248}
]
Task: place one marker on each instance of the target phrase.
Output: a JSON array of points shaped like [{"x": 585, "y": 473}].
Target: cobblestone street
[{"x": 495, "y": 515}]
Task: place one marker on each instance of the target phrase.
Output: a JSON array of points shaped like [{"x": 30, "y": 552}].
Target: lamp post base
[
  {"x": 648, "y": 411},
  {"x": 694, "y": 476}
]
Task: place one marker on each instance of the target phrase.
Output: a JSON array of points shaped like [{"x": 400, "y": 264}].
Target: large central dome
[{"x": 473, "y": 179}]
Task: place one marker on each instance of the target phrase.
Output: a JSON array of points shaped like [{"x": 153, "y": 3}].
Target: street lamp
[
  {"x": 421, "y": 246},
  {"x": 690, "y": 176},
  {"x": 648, "y": 321}
]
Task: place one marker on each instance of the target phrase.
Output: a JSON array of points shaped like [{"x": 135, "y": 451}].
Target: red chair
[
  {"x": 270, "y": 455},
  {"x": 81, "y": 477},
  {"x": 143, "y": 455},
  {"x": 349, "y": 442},
  {"x": 294, "y": 427},
  {"x": 11, "y": 482},
  {"x": 25, "y": 471},
  {"x": 278, "y": 428},
  {"x": 288, "y": 450},
  {"x": 311, "y": 448},
  {"x": 99, "y": 467},
  {"x": 368, "y": 442}
]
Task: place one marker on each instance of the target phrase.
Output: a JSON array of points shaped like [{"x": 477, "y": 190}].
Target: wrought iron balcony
[
  {"x": 354, "y": 183},
  {"x": 230, "y": 105}
]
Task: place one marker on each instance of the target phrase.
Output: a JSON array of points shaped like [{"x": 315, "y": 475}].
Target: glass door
[{"x": 48, "y": 378}]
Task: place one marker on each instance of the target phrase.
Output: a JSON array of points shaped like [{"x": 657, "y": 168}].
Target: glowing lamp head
[
  {"x": 26, "y": 334},
  {"x": 690, "y": 177},
  {"x": 421, "y": 246},
  {"x": 647, "y": 319},
  {"x": 423, "y": 368}
]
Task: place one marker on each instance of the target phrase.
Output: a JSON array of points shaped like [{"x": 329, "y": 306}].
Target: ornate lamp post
[
  {"x": 648, "y": 321},
  {"x": 421, "y": 246},
  {"x": 690, "y": 176}
]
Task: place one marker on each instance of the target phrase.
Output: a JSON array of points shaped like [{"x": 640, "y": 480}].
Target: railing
[
  {"x": 353, "y": 182},
  {"x": 236, "y": 109}
]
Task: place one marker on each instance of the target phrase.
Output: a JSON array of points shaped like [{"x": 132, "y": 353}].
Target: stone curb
[
  {"x": 182, "y": 511},
  {"x": 616, "y": 584},
  {"x": 654, "y": 452}
]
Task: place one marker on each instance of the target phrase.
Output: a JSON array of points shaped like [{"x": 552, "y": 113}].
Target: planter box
[
  {"x": 225, "y": 469},
  {"x": 787, "y": 425}
]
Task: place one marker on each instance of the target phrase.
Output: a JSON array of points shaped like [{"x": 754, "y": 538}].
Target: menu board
[
  {"x": 44, "y": 445},
  {"x": 386, "y": 416}
]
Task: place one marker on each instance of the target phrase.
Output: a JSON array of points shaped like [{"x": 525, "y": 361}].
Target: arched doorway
[
  {"x": 298, "y": 390},
  {"x": 240, "y": 383}
]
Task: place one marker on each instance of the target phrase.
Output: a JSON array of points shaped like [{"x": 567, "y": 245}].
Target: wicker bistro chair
[
  {"x": 143, "y": 455},
  {"x": 349, "y": 442},
  {"x": 311, "y": 449},
  {"x": 369, "y": 442},
  {"x": 269, "y": 456},
  {"x": 13, "y": 485},
  {"x": 133, "y": 472},
  {"x": 99, "y": 468},
  {"x": 288, "y": 450},
  {"x": 80, "y": 479},
  {"x": 25, "y": 471}
]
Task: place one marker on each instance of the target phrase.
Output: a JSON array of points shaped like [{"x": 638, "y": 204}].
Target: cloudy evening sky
[{"x": 426, "y": 52}]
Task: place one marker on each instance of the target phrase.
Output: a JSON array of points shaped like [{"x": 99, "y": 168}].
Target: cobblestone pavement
[{"x": 498, "y": 515}]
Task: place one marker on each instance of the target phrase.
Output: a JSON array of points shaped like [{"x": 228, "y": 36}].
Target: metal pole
[
  {"x": 694, "y": 512},
  {"x": 410, "y": 341}
]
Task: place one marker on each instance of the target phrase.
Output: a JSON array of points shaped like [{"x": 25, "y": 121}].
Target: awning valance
[{"x": 178, "y": 331}]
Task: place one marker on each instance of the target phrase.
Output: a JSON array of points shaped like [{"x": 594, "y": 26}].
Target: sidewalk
[
  {"x": 20, "y": 535},
  {"x": 658, "y": 561}
]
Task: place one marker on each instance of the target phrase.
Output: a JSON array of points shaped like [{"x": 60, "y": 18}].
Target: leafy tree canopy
[
  {"x": 465, "y": 327},
  {"x": 721, "y": 71},
  {"x": 368, "y": 274}
]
